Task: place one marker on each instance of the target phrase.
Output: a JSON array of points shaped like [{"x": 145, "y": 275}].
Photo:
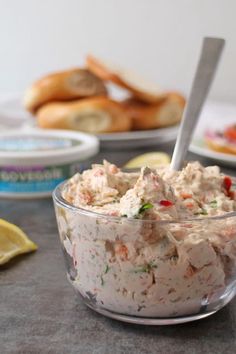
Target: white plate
[
  {"x": 142, "y": 138},
  {"x": 199, "y": 147},
  {"x": 13, "y": 115},
  {"x": 215, "y": 116}
]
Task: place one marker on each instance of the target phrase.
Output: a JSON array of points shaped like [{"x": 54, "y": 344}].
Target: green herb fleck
[
  {"x": 107, "y": 269},
  {"x": 105, "y": 272},
  {"x": 174, "y": 258},
  {"x": 213, "y": 204},
  {"x": 145, "y": 207},
  {"x": 202, "y": 212},
  {"x": 146, "y": 268}
]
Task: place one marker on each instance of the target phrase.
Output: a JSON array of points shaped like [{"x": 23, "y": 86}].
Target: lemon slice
[
  {"x": 150, "y": 159},
  {"x": 13, "y": 241}
]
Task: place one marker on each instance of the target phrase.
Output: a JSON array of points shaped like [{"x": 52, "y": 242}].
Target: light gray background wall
[{"x": 159, "y": 38}]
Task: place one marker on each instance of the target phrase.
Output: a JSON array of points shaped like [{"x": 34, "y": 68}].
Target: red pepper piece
[
  {"x": 231, "y": 194},
  {"x": 166, "y": 203},
  {"x": 230, "y": 132},
  {"x": 227, "y": 183},
  {"x": 186, "y": 195}
]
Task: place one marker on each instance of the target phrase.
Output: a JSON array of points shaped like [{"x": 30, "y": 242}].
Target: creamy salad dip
[{"x": 154, "y": 243}]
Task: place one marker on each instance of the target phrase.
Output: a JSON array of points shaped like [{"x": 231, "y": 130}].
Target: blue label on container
[
  {"x": 29, "y": 187},
  {"x": 26, "y": 179}
]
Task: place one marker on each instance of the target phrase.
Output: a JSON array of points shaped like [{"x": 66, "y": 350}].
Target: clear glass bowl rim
[{"x": 58, "y": 199}]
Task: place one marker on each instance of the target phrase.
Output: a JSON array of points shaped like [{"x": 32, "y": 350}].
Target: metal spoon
[{"x": 207, "y": 65}]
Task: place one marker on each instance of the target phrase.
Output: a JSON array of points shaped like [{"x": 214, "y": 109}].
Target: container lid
[{"x": 45, "y": 147}]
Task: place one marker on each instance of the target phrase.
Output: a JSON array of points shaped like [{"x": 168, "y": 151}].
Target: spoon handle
[{"x": 207, "y": 65}]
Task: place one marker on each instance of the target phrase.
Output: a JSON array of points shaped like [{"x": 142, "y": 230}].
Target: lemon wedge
[
  {"x": 150, "y": 159},
  {"x": 13, "y": 241}
]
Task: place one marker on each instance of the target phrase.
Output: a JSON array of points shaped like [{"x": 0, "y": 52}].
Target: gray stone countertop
[{"x": 40, "y": 313}]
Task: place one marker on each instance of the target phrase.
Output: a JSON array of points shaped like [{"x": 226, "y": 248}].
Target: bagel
[
  {"x": 158, "y": 115},
  {"x": 138, "y": 86},
  {"x": 92, "y": 115},
  {"x": 219, "y": 143},
  {"x": 64, "y": 85}
]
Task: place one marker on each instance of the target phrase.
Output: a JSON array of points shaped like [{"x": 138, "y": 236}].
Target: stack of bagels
[{"x": 78, "y": 99}]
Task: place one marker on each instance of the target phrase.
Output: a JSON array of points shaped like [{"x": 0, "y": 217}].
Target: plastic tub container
[{"x": 33, "y": 162}]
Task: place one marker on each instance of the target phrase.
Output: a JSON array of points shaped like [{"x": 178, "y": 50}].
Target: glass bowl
[{"x": 145, "y": 271}]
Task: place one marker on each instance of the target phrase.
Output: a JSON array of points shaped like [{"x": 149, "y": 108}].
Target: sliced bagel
[
  {"x": 151, "y": 116},
  {"x": 92, "y": 115},
  {"x": 64, "y": 85},
  {"x": 137, "y": 85},
  {"x": 218, "y": 142}
]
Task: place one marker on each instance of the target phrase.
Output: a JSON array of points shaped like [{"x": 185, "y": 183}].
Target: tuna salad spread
[{"x": 150, "y": 243}]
